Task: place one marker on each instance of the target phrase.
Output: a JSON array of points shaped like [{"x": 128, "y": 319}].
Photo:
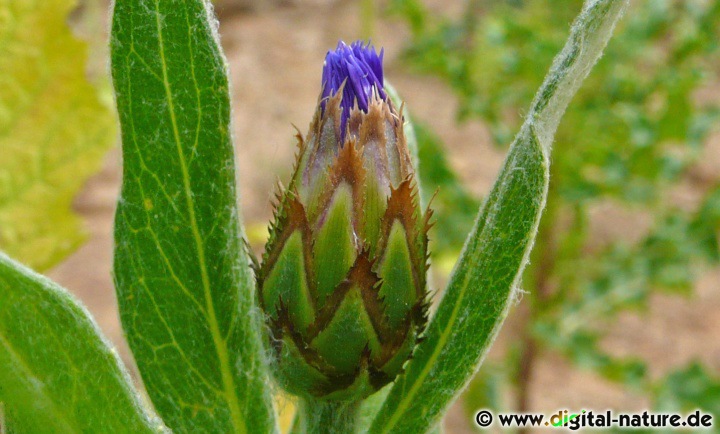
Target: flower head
[
  {"x": 357, "y": 70},
  {"x": 342, "y": 281}
]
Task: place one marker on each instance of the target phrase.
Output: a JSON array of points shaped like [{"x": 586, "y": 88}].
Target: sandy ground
[{"x": 275, "y": 57}]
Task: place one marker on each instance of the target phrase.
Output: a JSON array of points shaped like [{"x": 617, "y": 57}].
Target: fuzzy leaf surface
[
  {"x": 484, "y": 282},
  {"x": 54, "y": 130},
  {"x": 57, "y": 373},
  {"x": 184, "y": 284}
]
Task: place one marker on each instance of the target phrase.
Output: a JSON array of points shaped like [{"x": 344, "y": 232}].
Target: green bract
[{"x": 343, "y": 277}]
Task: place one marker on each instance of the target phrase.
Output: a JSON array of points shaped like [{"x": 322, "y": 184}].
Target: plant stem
[
  {"x": 525, "y": 373},
  {"x": 327, "y": 417}
]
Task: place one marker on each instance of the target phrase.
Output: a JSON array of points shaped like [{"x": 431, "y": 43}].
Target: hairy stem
[{"x": 327, "y": 417}]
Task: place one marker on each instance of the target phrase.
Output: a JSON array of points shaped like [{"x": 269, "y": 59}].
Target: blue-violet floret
[{"x": 360, "y": 68}]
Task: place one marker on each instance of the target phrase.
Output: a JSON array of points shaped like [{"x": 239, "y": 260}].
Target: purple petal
[{"x": 360, "y": 68}]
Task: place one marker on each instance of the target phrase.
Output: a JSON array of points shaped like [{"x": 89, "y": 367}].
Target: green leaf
[
  {"x": 57, "y": 373},
  {"x": 54, "y": 131},
  {"x": 185, "y": 288},
  {"x": 485, "y": 280}
]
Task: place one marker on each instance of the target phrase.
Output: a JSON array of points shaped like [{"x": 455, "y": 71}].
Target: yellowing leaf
[{"x": 54, "y": 130}]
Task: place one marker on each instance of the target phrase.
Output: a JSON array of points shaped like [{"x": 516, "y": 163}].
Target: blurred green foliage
[
  {"x": 630, "y": 140},
  {"x": 55, "y": 129},
  {"x": 444, "y": 191}
]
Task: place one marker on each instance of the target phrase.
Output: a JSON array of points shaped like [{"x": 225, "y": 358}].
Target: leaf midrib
[{"x": 220, "y": 347}]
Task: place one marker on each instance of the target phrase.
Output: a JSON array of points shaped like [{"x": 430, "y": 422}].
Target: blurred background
[{"x": 621, "y": 301}]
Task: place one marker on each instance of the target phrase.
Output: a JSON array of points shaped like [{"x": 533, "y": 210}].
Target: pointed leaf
[
  {"x": 287, "y": 282},
  {"x": 485, "y": 280},
  {"x": 57, "y": 373},
  {"x": 410, "y": 138},
  {"x": 343, "y": 340},
  {"x": 396, "y": 270},
  {"x": 185, "y": 289},
  {"x": 334, "y": 248}
]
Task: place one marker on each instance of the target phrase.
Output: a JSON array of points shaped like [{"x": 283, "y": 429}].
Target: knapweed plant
[{"x": 336, "y": 314}]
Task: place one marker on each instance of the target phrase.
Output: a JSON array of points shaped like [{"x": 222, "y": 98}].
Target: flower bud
[{"x": 343, "y": 277}]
